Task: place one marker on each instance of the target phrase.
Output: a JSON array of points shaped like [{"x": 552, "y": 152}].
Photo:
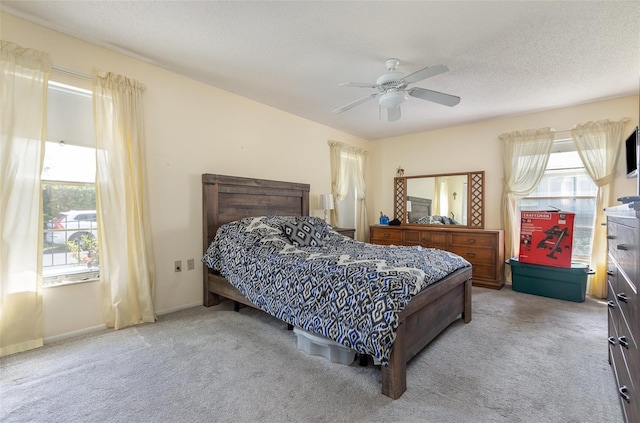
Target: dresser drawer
[
  {"x": 623, "y": 246},
  {"x": 627, "y": 389},
  {"x": 612, "y": 322},
  {"x": 385, "y": 235},
  {"x": 612, "y": 275},
  {"x": 624, "y": 385},
  {"x": 433, "y": 239},
  {"x": 614, "y": 312},
  {"x": 473, "y": 239},
  {"x": 475, "y": 255},
  {"x": 628, "y": 345},
  {"x": 484, "y": 272},
  {"x": 627, "y": 300},
  {"x": 411, "y": 237}
]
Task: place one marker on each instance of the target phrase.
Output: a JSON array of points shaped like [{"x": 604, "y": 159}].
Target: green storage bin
[{"x": 568, "y": 284}]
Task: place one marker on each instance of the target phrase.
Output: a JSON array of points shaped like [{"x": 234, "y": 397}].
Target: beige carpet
[{"x": 523, "y": 358}]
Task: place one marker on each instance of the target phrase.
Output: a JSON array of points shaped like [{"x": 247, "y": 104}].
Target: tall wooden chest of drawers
[
  {"x": 484, "y": 249},
  {"x": 623, "y": 271}
]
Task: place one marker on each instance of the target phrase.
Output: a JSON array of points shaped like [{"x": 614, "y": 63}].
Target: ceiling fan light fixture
[
  {"x": 393, "y": 99},
  {"x": 392, "y": 89}
]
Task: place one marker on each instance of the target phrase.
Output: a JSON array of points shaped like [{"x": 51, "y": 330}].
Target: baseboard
[
  {"x": 182, "y": 307},
  {"x": 98, "y": 328},
  {"x": 74, "y": 334}
]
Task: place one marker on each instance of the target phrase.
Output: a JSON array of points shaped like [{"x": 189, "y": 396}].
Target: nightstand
[{"x": 346, "y": 232}]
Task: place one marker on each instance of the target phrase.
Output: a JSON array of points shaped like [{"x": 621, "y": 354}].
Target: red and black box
[{"x": 546, "y": 237}]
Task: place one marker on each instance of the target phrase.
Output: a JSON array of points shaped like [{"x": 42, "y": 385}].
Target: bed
[
  {"x": 420, "y": 208},
  {"x": 421, "y": 213},
  {"x": 229, "y": 199}
]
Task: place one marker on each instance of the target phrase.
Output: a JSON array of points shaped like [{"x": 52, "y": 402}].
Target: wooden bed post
[
  {"x": 209, "y": 216},
  {"x": 210, "y": 299},
  {"x": 466, "y": 314},
  {"x": 394, "y": 376}
]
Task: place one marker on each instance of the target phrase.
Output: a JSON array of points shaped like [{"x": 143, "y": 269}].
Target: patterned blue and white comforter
[{"x": 349, "y": 291}]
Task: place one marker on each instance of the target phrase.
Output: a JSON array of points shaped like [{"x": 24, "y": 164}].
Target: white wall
[
  {"x": 191, "y": 128},
  {"x": 476, "y": 147}
]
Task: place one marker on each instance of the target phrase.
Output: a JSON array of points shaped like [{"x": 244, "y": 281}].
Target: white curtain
[
  {"x": 23, "y": 98},
  {"x": 126, "y": 256},
  {"x": 598, "y": 144},
  {"x": 525, "y": 156},
  {"x": 441, "y": 196},
  {"x": 347, "y": 167}
]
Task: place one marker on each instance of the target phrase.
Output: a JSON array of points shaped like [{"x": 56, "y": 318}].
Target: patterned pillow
[{"x": 303, "y": 233}]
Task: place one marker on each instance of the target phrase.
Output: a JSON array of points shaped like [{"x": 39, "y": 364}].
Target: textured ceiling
[{"x": 504, "y": 58}]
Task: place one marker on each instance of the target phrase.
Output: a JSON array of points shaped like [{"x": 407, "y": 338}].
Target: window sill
[{"x": 55, "y": 281}]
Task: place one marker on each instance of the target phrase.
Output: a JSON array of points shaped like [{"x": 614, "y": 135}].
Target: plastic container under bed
[{"x": 328, "y": 348}]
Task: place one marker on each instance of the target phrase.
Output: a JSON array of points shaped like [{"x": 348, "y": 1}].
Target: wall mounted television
[{"x": 631, "y": 148}]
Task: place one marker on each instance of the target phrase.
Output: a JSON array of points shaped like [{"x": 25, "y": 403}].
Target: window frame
[
  {"x": 67, "y": 275},
  {"x": 563, "y": 146}
]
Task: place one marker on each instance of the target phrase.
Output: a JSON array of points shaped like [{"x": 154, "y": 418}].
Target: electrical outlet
[
  {"x": 178, "y": 266},
  {"x": 190, "y": 264}
]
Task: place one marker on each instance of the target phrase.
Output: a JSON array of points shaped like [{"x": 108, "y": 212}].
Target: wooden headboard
[
  {"x": 420, "y": 207},
  {"x": 229, "y": 198}
]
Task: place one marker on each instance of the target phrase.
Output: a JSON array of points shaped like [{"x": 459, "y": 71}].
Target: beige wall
[
  {"x": 191, "y": 128},
  {"x": 476, "y": 147}
]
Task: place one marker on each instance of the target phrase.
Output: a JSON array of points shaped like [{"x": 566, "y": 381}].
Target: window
[
  {"x": 566, "y": 186},
  {"x": 348, "y": 206},
  {"x": 70, "y": 251}
]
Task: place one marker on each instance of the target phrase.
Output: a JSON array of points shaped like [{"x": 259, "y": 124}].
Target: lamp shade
[
  {"x": 326, "y": 201},
  {"x": 392, "y": 99}
]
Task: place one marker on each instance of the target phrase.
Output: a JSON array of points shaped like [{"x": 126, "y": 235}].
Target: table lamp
[{"x": 326, "y": 203}]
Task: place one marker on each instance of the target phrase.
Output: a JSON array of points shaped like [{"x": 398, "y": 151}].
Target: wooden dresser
[
  {"x": 623, "y": 272},
  {"x": 484, "y": 249}
]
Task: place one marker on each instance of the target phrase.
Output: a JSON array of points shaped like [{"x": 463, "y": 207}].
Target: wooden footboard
[{"x": 428, "y": 314}]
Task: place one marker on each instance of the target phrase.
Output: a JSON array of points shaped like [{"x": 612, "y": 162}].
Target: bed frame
[
  {"x": 229, "y": 198},
  {"x": 420, "y": 207}
]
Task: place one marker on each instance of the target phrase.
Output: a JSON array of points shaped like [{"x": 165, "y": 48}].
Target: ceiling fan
[{"x": 393, "y": 89}]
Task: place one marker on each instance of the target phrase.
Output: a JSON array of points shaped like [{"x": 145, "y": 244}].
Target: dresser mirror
[{"x": 455, "y": 199}]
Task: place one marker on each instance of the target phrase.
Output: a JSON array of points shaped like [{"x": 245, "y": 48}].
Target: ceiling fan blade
[
  {"x": 435, "y": 96},
  {"x": 359, "y": 84},
  {"x": 424, "y": 73},
  {"x": 393, "y": 114},
  {"x": 355, "y": 103}
]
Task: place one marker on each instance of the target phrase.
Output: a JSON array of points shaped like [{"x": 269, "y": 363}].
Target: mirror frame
[{"x": 475, "y": 194}]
